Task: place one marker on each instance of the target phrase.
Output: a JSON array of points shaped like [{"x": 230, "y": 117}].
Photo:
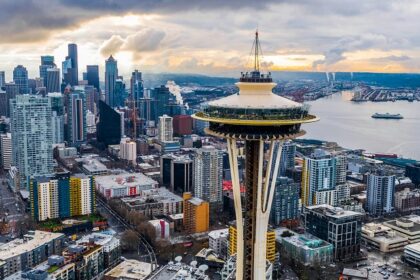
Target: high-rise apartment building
[
  {"x": 47, "y": 61},
  {"x": 76, "y": 117},
  {"x": 285, "y": 201},
  {"x": 321, "y": 173},
  {"x": 340, "y": 228},
  {"x": 52, "y": 83},
  {"x": 20, "y": 78},
  {"x": 165, "y": 129},
  {"x": 111, "y": 75},
  {"x": 53, "y": 198},
  {"x": 92, "y": 76},
  {"x": 196, "y": 214},
  {"x": 208, "y": 175},
  {"x": 287, "y": 160},
  {"x": 31, "y": 135},
  {"x": 380, "y": 194},
  {"x": 6, "y": 150}
]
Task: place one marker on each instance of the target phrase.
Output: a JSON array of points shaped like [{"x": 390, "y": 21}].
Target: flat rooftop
[
  {"x": 215, "y": 234},
  {"x": 152, "y": 196},
  {"x": 307, "y": 241},
  {"x": 179, "y": 271},
  {"x": 28, "y": 243},
  {"x": 124, "y": 180},
  {"x": 131, "y": 269},
  {"x": 333, "y": 212}
]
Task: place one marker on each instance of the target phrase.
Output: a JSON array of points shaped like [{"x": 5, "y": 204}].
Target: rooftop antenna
[{"x": 257, "y": 52}]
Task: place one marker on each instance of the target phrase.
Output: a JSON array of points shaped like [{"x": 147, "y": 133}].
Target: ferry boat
[{"x": 387, "y": 116}]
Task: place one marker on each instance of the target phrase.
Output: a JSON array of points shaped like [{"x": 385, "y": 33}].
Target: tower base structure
[{"x": 252, "y": 217}]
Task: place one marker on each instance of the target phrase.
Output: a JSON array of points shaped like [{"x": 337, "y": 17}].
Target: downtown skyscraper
[
  {"x": 92, "y": 76},
  {"x": 76, "y": 117},
  {"x": 20, "y": 77},
  {"x": 47, "y": 62},
  {"x": 70, "y": 67},
  {"x": 31, "y": 136},
  {"x": 52, "y": 83},
  {"x": 111, "y": 75},
  {"x": 136, "y": 86}
]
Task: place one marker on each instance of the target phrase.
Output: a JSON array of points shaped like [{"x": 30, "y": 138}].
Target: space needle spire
[{"x": 255, "y": 116}]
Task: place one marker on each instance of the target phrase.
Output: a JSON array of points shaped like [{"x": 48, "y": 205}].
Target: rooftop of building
[
  {"x": 152, "y": 196},
  {"x": 409, "y": 223},
  {"x": 357, "y": 274},
  {"x": 333, "y": 212},
  {"x": 307, "y": 241},
  {"x": 196, "y": 201},
  {"x": 415, "y": 247},
  {"x": 209, "y": 255},
  {"x": 99, "y": 238},
  {"x": 131, "y": 269},
  {"x": 175, "y": 271},
  {"x": 219, "y": 233},
  {"x": 124, "y": 180},
  {"x": 381, "y": 233},
  {"x": 29, "y": 242}
]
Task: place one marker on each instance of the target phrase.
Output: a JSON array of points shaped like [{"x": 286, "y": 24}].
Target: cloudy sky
[{"x": 213, "y": 37}]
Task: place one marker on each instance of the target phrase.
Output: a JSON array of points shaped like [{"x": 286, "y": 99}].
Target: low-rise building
[
  {"x": 412, "y": 254},
  {"x": 407, "y": 200},
  {"x": 339, "y": 227},
  {"x": 89, "y": 260},
  {"x": 408, "y": 226},
  {"x": 92, "y": 166},
  {"x": 129, "y": 270},
  {"x": 308, "y": 249},
  {"x": 354, "y": 274},
  {"x": 218, "y": 242},
  {"x": 161, "y": 227},
  {"x": 383, "y": 238},
  {"x": 154, "y": 202},
  {"x": 228, "y": 271},
  {"x": 33, "y": 249},
  {"x": 178, "y": 270},
  {"x": 109, "y": 242},
  {"x": 122, "y": 185}
]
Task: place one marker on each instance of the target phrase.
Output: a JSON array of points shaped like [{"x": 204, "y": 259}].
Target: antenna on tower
[{"x": 256, "y": 52}]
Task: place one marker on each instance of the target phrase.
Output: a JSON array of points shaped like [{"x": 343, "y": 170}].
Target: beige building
[
  {"x": 383, "y": 238},
  {"x": 408, "y": 226}
]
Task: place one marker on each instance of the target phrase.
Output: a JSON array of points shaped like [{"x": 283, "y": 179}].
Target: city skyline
[{"x": 317, "y": 35}]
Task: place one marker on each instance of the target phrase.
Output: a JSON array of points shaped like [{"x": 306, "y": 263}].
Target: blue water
[{"x": 351, "y": 126}]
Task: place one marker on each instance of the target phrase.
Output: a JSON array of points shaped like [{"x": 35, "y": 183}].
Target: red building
[{"x": 182, "y": 125}]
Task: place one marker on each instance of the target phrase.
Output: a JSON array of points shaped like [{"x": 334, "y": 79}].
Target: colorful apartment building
[{"x": 53, "y": 198}]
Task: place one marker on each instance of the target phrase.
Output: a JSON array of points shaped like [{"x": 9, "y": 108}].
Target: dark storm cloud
[{"x": 34, "y": 20}]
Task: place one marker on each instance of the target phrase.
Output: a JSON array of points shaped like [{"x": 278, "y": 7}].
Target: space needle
[{"x": 263, "y": 121}]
